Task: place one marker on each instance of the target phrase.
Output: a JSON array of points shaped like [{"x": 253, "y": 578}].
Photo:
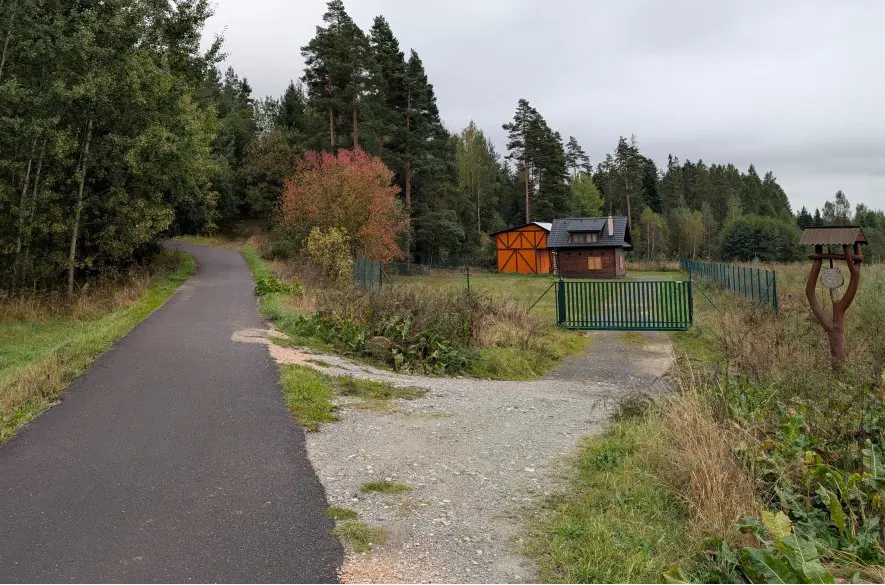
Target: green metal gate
[{"x": 624, "y": 305}]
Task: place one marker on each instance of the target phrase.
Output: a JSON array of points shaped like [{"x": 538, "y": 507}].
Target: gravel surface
[{"x": 475, "y": 452}]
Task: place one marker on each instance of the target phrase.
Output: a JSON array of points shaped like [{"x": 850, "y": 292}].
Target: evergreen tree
[
  {"x": 388, "y": 95},
  {"x": 521, "y": 144},
  {"x": 804, "y": 219},
  {"x": 426, "y": 153},
  {"x": 292, "y": 114},
  {"x": 336, "y": 60},
  {"x": 576, "y": 159}
]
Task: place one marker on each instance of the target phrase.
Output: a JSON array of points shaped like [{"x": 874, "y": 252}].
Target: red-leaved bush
[{"x": 350, "y": 191}]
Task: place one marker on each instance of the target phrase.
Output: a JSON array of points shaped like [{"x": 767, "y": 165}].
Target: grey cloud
[{"x": 793, "y": 86}]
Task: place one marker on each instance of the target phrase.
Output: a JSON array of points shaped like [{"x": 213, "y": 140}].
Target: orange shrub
[{"x": 351, "y": 191}]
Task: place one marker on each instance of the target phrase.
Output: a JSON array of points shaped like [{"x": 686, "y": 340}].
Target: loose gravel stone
[{"x": 475, "y": 452}]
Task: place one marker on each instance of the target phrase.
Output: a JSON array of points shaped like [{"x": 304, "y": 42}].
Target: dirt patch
[{"x": 475, "y": 453}]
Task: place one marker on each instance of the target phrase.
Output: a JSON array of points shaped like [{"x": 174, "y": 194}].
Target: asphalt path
[{"x": 172, "y": 459}]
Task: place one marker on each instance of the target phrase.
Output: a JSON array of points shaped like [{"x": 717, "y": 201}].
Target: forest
[{"x": 118, "y": 131}]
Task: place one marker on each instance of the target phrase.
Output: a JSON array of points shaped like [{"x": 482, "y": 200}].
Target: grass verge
[
  {"x": 311, "y": 394},
  {"x": 427, "y": 325},
  {"x": 42, "y": 350},
  {"x": 613, "y": 521}
]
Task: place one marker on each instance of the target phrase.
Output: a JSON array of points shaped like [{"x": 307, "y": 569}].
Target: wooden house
[
  {"x": 590, "y": 247},
  {"x": 523, "y": 249}
]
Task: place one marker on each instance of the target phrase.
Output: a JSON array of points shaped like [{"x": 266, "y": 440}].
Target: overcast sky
[{"x": 794, "y": 86}]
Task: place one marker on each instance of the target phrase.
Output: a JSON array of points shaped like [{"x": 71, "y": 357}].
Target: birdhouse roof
[{"x": 833, "y": 236}]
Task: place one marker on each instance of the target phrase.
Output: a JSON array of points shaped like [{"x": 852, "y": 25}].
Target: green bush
[
  {"x": 766, "y": 238},
  {"x": 329, "y": 250},
  {"x": 266, "y": 284}
]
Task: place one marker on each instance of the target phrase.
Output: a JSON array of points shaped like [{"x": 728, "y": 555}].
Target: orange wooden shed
[{"x": 523, "y": 249}]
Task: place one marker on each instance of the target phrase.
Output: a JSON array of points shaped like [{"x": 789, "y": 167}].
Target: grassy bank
[
  {"x": 429, "y": 326},
  {"x": 766, "y": 465},
  {"x": 45, "y": 343},
  {"x": 613, "y": 521}
]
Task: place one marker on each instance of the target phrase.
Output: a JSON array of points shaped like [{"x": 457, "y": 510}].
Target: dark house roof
[
  {"x": 620, "y": 237},
  {"x": 541, "y": 224},
  {"x": 833, "y": 236}
]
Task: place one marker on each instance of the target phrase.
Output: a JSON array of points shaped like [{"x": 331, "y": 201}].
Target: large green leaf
[
  {"x": 837, "y": 514},
  {"x": 760, "y": 566},
  {"x": 779, "y": 525},
  {"x": 802, "y": 556},
  {"x": 872, "y": 462}
]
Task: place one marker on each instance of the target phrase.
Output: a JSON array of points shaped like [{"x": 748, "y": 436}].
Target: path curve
[{"x": 173, "y": 458}]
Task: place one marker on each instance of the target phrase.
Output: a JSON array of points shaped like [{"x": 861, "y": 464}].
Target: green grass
[
  {"x": 612, "y": 522},
  {"x": 359, "y": 535},
  {"x": 40, "y": 358},
  {"x": 373, "y": 390},
  {"x": 310, "y": 394},
  {"x": 338, "y": 513},
  {"x": 385, "y": 487}
]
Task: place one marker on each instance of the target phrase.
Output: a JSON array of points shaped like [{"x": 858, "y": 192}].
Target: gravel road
[{"x": 474, "y": 452}]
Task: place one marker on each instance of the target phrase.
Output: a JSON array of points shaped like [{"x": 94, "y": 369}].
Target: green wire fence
[{"x": 755, "y": 284}]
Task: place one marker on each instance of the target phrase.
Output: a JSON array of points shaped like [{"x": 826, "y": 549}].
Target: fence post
[{"x": 690, "y": 303}]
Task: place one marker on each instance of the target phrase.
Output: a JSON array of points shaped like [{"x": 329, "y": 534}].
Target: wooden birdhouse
[{"x": 834, "y": 243}]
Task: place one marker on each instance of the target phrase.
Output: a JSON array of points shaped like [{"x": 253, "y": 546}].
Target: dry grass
[
  {"x": 654, "y": 266},
  {"x": 696, "y": 458}
]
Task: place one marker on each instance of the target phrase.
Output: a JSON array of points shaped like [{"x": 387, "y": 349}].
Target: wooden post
[{"x": 835, "y": 326}]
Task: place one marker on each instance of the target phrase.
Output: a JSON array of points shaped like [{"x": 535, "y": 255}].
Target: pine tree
[
  {"x": 576, "y": 159},
  {"x": 426, "y": 144},
  {"x": 336, "y": 60},
  {"x": 804, "y": 219},
  {"x": 386, "y": 102},
  {"x": 521, "y": 140},
  {"x": 292, "y": 111}
]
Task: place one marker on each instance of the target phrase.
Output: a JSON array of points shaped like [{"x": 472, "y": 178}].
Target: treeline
[
  {"x": 108, "y": 126},
  {"x": 116, "y": 131}
]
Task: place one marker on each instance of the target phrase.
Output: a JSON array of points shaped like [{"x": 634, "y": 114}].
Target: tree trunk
[
  {"x": 528, "y": 202},
  {"x": 34, "y": 195},
  {"x": 24, "y": 199},
  {"x": 356, "y": 131},
  {"x": 478, "y": 219},
  {"x": 75, "y": 230},
  {"x": 331, "y": 129},
  {"x": 627, "y": 189},
  {"x": 409, "y": 180},
  {"x": 6, "y": 40}
]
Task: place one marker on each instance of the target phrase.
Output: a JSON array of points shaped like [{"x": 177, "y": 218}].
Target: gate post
[{"x": 560, "y": 302}]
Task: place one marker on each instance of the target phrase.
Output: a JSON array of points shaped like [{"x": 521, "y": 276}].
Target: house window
[
  {"x": 583, "y": 237},
  {"x": 622, "y": 264},
  {"x": 594, "y": 263}
]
